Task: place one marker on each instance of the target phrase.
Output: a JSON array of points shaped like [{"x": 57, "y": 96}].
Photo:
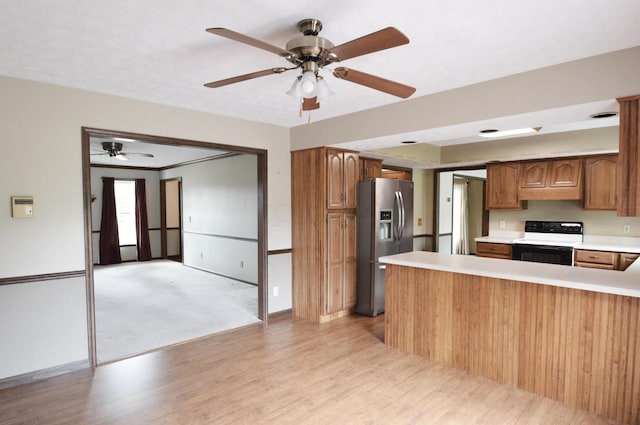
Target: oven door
[{"x": 543, "y": 254}]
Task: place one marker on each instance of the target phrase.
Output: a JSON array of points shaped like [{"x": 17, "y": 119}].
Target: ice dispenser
[{"x": 386, "y": 218}]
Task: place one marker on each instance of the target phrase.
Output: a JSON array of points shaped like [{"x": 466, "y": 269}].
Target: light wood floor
[{"x": 292, "y": 372}]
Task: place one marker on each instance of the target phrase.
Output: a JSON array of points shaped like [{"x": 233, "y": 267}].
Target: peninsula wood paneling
[{"x": 578, "y": 347}]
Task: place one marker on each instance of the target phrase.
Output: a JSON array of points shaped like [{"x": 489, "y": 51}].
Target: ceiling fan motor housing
[
  {"x": 112, "y": 147},
  {"x": 309, "y": 48}
]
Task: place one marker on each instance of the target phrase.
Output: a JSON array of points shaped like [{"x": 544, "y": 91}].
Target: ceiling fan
[
  {"x": 310, "y": 53},
  {"x": 114, "y": 150}
]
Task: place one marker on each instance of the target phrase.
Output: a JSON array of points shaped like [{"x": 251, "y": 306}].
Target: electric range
[{"x": 548, "y": 242}]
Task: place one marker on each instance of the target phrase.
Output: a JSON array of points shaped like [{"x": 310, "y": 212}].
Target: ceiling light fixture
[
  {"x": 603, "y": 115},
  {"x": 491, "y": 132}
]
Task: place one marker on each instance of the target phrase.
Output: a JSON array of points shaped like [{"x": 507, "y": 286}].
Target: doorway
[
  {"x": 171, "y": 219},
  {"x": 460, "y": 215},
  {"x": 174, "y": 246}
]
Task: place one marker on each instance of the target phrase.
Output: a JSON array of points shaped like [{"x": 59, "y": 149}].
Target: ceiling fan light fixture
[
  {"x": 308, "y": 84},
  {"x": 323, "y": 89},
  {"x": 294, "y": 91}
]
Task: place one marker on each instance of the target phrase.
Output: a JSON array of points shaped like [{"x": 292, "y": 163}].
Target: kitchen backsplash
[{"x": 604, "y": 223}]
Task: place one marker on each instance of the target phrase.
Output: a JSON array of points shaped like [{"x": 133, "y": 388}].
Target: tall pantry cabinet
[{"x": 324, "y": 240}]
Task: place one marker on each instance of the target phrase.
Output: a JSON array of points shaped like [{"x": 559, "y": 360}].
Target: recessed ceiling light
[
  {"x": 604, "y": 115},
  {"x": 408, "y": 142},
  {"x": 502, "y": 133}
]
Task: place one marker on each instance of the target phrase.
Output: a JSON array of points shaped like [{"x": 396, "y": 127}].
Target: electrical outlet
[
  {"x": 626, "y": 228},
  {"x": 503, "y": 224},
  {"x": 275, "y": 291},
  {"x": 201, "y": 255}
]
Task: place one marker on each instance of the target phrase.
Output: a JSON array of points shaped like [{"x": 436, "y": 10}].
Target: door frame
[
  {"x": 261, "y": 155},
  {"x": 163, "y": 216}
]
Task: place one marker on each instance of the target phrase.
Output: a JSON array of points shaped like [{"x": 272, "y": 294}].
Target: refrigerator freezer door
[{"x": 385, "y": 227}]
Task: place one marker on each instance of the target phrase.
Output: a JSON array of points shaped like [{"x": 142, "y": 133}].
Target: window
[{"x": 125, "y": 192}]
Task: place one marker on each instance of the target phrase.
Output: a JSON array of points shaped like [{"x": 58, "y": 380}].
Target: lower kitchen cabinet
[
  {"x": 342, "y": 262},
  {"x": 607, "y": 260},
  {"x": 493, "y": 250},
  {"x": 626, "y": 260},
  {"x": 596, "y": 259}
]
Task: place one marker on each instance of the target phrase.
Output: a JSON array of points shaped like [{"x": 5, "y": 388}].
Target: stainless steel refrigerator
[{"x": 385, "y": 227}]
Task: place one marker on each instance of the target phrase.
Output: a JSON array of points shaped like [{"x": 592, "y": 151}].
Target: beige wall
[
  {"x": 422, "y": 208},
  {"x": 600, "y": 223},
  {"x": 41, "y": 140}
]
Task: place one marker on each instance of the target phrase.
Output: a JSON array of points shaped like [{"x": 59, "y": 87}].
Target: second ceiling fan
[{"x": 310, "y": 53}]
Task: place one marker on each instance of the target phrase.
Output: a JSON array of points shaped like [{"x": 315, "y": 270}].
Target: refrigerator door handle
[
  {"x": 402, "y": 216},
  {"x": 396, "y": 223}
]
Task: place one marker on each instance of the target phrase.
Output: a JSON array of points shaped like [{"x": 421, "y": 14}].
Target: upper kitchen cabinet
[
  {"x": 370, "y": 168},
  {"x": 600, "y": 182},
  {"x": 502, "y": 186},
  {"x": 397, "y": 174},
  {"x": 343, "y": 172},
  {"x": 546, "y": 180}
]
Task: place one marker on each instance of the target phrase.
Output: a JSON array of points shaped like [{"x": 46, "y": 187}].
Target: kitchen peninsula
[{"x": 567, "y": 333}]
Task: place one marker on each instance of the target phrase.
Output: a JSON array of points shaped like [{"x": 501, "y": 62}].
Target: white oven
[{"x": 548, "y": 242}]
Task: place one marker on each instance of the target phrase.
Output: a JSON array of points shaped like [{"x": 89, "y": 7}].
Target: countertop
[
  {"x": 598, "y": 243},
  {"x": 605, "y": 281}
]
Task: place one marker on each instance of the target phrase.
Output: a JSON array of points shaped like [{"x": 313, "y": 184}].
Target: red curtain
[
  {"x": 109, "y": 242},
  {"x": 142, "y": 222}
]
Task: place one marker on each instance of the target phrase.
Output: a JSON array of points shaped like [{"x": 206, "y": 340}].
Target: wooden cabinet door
[
  {"x": 553, "y": 179},
  {"x": 370, "y": 168},
  {"x": 342, "y": 261},
  {"x": 350, "y": 179},
  {"x": 600, "y": 182},
  {"x": 626, "y": 260},
  {"x": 565, "y": 173},
  {"x": 343, "y": 173},
  {"x": 502, "y": 186},
  {"x": 350, "y": 259},
  {"x": 335, "y": 181},
  {"x": 533, "y": 175},
  {"x": 335, "y": 263}
]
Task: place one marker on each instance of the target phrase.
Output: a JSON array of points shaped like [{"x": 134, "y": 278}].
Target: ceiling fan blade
[
  {"x": 309, "y": 104},
  {"x": 227, "y": 33},
  {"x": 374, "y": 82},
  {"x": 374, "y": 42},
  {"x": 121, "y": 157},
  {"x": 245, "y": 77}
]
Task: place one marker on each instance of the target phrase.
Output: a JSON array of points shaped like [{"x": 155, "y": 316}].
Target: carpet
[{"x": 145, "y": 306}]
